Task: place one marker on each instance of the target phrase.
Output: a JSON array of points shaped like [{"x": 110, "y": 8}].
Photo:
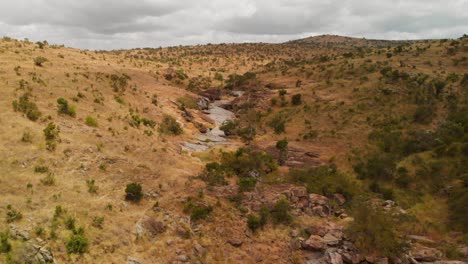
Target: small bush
[
  {"x": 5, "y": 245},
  {"x": 170, "y": 126},
  {"x": 278, "y": 123},
  {"x": 38, "y": 61},
  {"x": 77, "y": 244},
  {"x": 133, "y": 192},
  {"x": 48, "y": 180},
  {"x": 69, "y": 223},
  {"x": 13, "y": 215},
  {"x": 92, "y": 188},
  {"x": 253, "y": 222},
  {"x": 98, "y": 222},
  {"x": 281, "y": 212},
  {"x": 90, "y": 121},
  {"x": 296, "y": 99},
  {"x": 373, "y": 231},
  {"x": 51, "y": 134},
  {"x": 24, "y": 105},
  {"x": 65, "y": 108},
  {"x": 247, "y": 184},
  {"x": 41, "y": 169}
]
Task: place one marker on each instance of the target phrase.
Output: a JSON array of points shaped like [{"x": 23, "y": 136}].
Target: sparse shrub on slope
[
  {"x": 65, "y": 108},
  {"x": 24, "y": 105},
  {"x": 170, "y": 126},
  {"x": 90, "y": 121},
  {"x": 39, "y": 61},
  {"x": 374, "y": 232}
]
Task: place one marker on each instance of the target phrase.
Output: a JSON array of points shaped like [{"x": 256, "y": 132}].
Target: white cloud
[{"x": 111, "y": 24}]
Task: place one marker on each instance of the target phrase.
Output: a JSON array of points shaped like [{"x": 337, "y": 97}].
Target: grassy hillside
[{"x": 353, "y": 123}]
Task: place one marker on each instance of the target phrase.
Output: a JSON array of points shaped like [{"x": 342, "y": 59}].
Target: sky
[{"x": 123, "y": 24}]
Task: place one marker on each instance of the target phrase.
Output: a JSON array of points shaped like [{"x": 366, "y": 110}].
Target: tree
[
  {"x": 282, "y": 146},
  {"x": 133, "y": 192}
]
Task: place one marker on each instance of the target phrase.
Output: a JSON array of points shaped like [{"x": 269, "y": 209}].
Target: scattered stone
[
  {"x": 34, "y": 253},
  {"x": 19, "y": 233},
  {"x": 199, "y": 249},
  {"x": 131, "y": 260},
  {"x": 235, "y": 242},
  {"x": 182, "y": 258}
]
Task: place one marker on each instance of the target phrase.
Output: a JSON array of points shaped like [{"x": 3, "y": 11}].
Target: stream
[{"x": 215, "y": 136}]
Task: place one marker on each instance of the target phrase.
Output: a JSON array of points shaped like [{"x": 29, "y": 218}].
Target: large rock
[
  {"x": 317, "y": 199},
  {"x": 314, "y": 243},
  {"x": 203, "y": 103},
  {"x": 334, "y": 258},
  {"x": 422, "y": 253}
]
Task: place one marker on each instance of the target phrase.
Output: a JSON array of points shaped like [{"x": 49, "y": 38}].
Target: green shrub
[
  {"x": 373, "y": 231},
  {"x": 51, "y": 132},
  {"x": 65, "y": 108},
  {"x": 214, "y": 174},
  {"x": 187, "y": 102},
  {"x": 5, "y": 245},
  {"x": 48, "y": 180},
  {"x": 41, "y": 169},
  {"x": 27, "y": 107},
  {"x": 13, "y": 215},
  {"x": 278, "y": 123},
  {"x": 69, "y": 223},
  {"x": 38, "y": 61},
  {"x": 253, "y": 222},
  {"x": 280, "y": 213},
  {"x": 170, "y": 126},
  {"x": 133, "y": 192},
  {"x": 247, "y": 184},
  {"x": 98, "y": 222},
  {"x": 92, "y": 188},
  {"x": 77, "y": 244},
  {"x": 230, "y": 127},
  {"x": 296, "y": 99},
  {"x": 325, "y": 180},
  {"x": 90, "y": 121},
  {"x": 198, "y": 211}
]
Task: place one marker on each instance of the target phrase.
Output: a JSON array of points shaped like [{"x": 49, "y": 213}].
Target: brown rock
[
  {"x": 314, "y": 243},
  {"x": 340, "y": 199},
  {"x": 235, "y": 242},
  {"x": 422, "y": 253},
  {"x": 317, "y": 199}
]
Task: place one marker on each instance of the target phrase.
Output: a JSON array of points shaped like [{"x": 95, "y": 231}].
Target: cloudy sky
[{"x": 114, "y": 24}]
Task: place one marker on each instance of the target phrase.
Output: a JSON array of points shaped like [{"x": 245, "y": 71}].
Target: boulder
[
  {"x": 314, "y": 243},
  {"x": 317, "y": 199},
  {"x": 422, "y": 253},
  {"x": 351, "y": 257},
  {"x": 34, "y": 253}
]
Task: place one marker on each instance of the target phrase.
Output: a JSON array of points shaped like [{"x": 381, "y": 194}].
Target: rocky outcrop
[{"x": 34, "y": 253}]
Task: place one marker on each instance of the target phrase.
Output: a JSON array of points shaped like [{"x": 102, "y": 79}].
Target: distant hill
[{"x": 335, "y": 41}]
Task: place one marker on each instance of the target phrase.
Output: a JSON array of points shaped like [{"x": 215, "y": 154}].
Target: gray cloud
[{"x": 110, "y": 24}]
